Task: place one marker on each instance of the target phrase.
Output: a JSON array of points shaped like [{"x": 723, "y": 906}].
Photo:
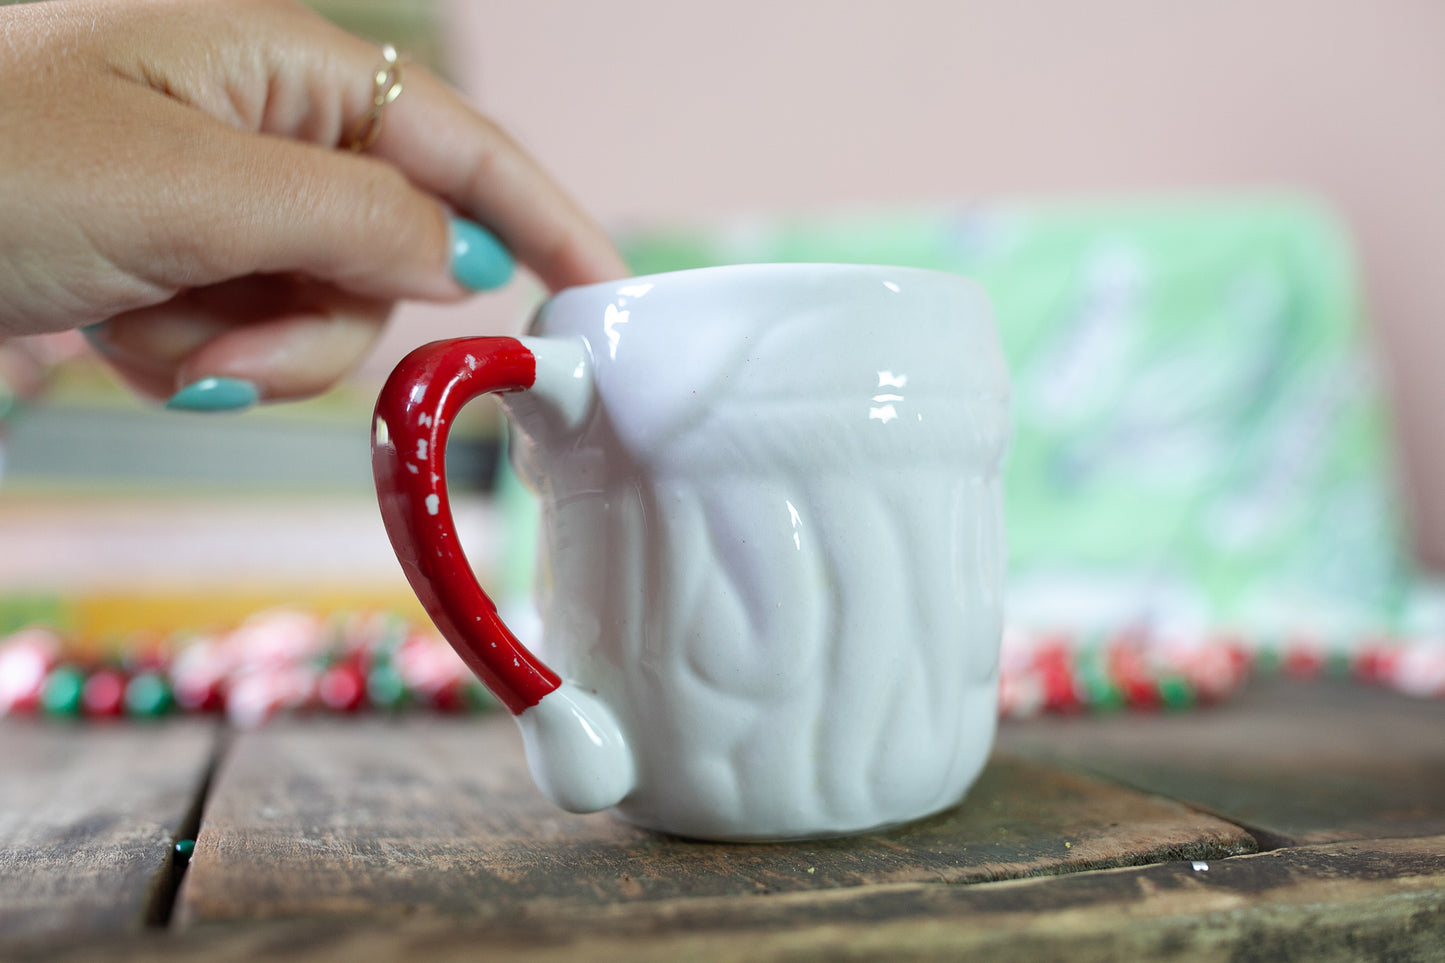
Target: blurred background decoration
[
  {"x": 1210, "y": 232},
  {"x": 1199, "y": 442}
]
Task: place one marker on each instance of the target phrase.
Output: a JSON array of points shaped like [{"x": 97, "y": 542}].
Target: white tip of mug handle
[
  {"x": 576, "y": 751},
  {"x": 564, "y": 380}
]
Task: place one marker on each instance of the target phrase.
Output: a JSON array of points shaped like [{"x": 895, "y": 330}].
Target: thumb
[{"x": 259, "y": 338}]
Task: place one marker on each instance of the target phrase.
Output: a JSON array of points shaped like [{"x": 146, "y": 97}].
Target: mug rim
[{"x": 770, "y": 267}]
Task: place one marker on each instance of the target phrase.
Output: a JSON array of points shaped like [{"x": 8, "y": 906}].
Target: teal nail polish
[
  {"x": 479, "y": 261},
  {"x": 215, "y": 394},
  {"x": 95, "y": 336}
]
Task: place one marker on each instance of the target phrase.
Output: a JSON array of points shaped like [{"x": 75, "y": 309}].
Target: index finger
[
  {"x": 283, "y": 70},
  {"x": 448, "y": 148}
]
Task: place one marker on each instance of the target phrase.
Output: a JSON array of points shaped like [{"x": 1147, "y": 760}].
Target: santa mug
[{"x": 773, "y": 546}]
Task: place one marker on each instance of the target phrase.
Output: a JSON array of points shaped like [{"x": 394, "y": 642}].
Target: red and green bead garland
[
  {"x": 276, "y": 662},
  {"x": 1062, "y": 673},
  {"x": 287, "y": 661}
]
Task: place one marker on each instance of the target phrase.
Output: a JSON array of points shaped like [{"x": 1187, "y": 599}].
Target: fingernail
[
  {"x": 215, "y": 394},
  {"x": 479, "y": 261},
  {"x": 95, "y": 337}
]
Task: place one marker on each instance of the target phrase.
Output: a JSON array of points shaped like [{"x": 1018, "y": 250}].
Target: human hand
[{"x": 172, "y": 180}]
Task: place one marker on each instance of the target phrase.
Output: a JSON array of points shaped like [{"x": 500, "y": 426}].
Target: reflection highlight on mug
[{"x": 883, "y": 409}]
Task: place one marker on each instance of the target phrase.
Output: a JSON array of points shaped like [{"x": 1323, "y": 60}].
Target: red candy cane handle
[{"x": 408, "y": 459}]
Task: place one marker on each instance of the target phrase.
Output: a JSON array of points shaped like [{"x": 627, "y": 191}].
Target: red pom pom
[{"x": 104, "y": 694}]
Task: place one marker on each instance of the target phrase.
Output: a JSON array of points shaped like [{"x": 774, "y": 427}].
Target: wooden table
[{"x": 1302, "y": 821}]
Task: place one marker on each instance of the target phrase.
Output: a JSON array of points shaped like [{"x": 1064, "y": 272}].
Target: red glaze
[{"x": 408, "y": 448}]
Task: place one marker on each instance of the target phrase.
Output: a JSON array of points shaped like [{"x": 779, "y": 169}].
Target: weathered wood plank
[
  {"x": 1295, "y": 762},
  {"x": 373, "y": 817},
  {"x": 88, "y": 816},
  {"x": 1336, "y": 902}
]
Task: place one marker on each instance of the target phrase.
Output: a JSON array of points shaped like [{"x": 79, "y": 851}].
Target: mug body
[{"x": 775, "y": 548}]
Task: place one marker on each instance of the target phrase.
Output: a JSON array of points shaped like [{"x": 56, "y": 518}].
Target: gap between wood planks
[
  {"x": 225, "y": 757},
  {"x": 166, "y": 886}
]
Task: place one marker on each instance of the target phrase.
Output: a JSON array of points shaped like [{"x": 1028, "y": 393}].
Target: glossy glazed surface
[
  {"x": 409, "y": 433},
  {"x": 773, "y": 546}
]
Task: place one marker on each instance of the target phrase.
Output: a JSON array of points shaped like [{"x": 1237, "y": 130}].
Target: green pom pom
[
  {"x": 60, "y": 695},
  {"x": 1101, "y": 694},
  {"x": 1175, "y": 692},
  {"x": 148, "y": 694},
  {"x": 385, "y": 687}
]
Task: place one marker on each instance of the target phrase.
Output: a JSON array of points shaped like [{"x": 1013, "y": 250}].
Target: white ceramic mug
[{"x": 773, "y": 542}]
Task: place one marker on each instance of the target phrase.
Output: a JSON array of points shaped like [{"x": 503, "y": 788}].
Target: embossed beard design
[{"x": 777, "y": 551}]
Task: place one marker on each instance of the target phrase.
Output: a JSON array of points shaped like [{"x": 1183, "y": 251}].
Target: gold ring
[{"x": 385, "y": 87}]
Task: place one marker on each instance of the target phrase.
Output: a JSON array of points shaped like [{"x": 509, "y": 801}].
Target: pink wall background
[{"x": 648, "y": 109}]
